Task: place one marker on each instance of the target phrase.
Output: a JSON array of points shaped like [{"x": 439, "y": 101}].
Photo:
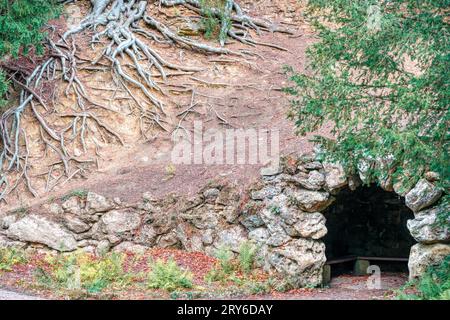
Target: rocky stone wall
[{"x": 281, "y": 214}]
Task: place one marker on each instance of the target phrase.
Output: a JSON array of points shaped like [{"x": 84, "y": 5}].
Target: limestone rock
[
  {"x": 422, "y": 256},
  {"x": 271, "y": 170},
  {"x": 128, "y": 246},
  {"x": 55, "y": 209},
  {"x": 335, "y": 177},
  {"x": 278, "y": 238},
  {"x": 74, "y": 224},
  {"x": 168, "y": 240},
  {"x": 311, "y": 225},
  {"x": 259, "y": 235},
  {"x": 313, "y": 180},
  {"x": 211, "y": 195},
  {"x": 231, "y": 238},
  {"x": 5, "y": 242},
  {"x": 119, "y": 221},
  {"x": 423, "y": 195},
  {"x": 313, "y": 165},
  {"x": 252, "y": 222},
  {"x": 103, "y": 247},
  {"x": 208, "y": 237},
  {"x": 425, "y": 229},
  {"x": 72, "y": 205},
  {"x": 310, "y": 201},
  {"x": 6, "y": 221},
  {"x": 98, "y": 203},
  {"x": 301, "y": 261},
  {"x": 37, "y": 229},
  {"x": 147, "y": 235},
  {"x": 267, "y": 192}
]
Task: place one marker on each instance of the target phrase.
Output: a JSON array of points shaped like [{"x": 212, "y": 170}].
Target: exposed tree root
[{"x": 127, "y": 28}]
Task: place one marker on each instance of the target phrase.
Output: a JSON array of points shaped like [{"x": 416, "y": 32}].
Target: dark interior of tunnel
[{"x": 368, "y": 222}]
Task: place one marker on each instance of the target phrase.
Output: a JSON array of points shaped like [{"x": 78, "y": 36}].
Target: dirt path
[
  {"x": 345, "y": 287},
  {"x": 6, "y": 294}
]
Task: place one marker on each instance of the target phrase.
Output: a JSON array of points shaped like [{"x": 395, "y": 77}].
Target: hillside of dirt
[{"x": 229, "y": 92}]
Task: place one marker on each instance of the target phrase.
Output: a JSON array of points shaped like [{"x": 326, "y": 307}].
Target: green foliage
[
  {"x": 247, "y": 254},
  {"x": 225, "y": 257},
  {"x": 82, "y": 271},
  {"x": 168, "y": 276},
  {"x": 380, "y": 73},
  {"x": 225, "y": 267},
  {"x": 433, "y": 285},
  {"x": 3, "y": 88},
  {"x": 9, "y": 257},
  {"x": 21, "y": 23},
  {"x": 215, "y": 19},
  {"x": 80, "y": 193},
  {"x": 275, "y": 209}
]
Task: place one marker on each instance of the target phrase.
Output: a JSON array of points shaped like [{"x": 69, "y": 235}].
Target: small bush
[
  {"x": 433, "y": 285},
  {"x": 83, "y": 271},
  {"x": 215, "y": 20},
  {"x": 247, "y": 254},
  {"x": 168, "y": 276},
  {"x": 225, "y": 257},
  {"x": 9, "y": 257}
]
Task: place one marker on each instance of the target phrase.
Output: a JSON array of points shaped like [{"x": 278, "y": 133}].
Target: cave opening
[{"x": 367, "y": 223}]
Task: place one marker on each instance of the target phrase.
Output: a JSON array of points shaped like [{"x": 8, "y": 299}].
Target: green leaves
[
  {"x": 21, "y": 23},
  {"x": 386, "y": 89}
]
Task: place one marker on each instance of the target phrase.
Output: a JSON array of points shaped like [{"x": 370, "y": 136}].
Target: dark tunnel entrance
[{"x": 368, "y": 222}]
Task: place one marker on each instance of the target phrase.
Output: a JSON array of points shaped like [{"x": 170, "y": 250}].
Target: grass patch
[
  {"x": 9, "y": 257},
  {"x": 82, "y": 271},
  {"x": 80, "y": 193}
]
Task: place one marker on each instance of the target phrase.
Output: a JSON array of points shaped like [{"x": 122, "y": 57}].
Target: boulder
[
  {"x": 313, "y": 165},
  {"x": 271, "y": 170},
  {"x": 128, "y": 246},
  {"x": 211, "y": 195},
  {"x": 267, "y": 192},
  {"x": 424, "y": 255},
  {"x": 232, "y": 238},
  {"x": 6, "y": 221},
  {"x": 259, "y": 235},
  {"x": 37, "y": 229},
  {"x": 72, "y": 205},
  {"x": 423, "y": 195},
  {"x": 252, "y": 221},
  {"x": 425, "y": 227},
  {"x": 335, "y": 177},
  {"x": 311, "y": 225},
  {"x": 120, "y": 221},
  {"x": 74, "y": 224},
  {"x": 301, "y": 261},
  {"x": 313, "y": 180},
  {"x": 98, "y": 203},
  {"x": 55, "y": 209},
  {"x": 147, "y": 235},
  {"x": 102, "y": 247},
  {"x": 310, "y": 201}
]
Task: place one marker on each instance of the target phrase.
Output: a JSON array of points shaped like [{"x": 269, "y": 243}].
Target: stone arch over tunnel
[{"x": 368, "y": 222}]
